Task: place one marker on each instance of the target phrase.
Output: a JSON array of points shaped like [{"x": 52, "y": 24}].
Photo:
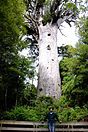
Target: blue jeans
[{"x": 51, "y": 126}]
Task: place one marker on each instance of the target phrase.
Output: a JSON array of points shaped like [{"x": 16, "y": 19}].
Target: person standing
[{"x": 52, "y": 117}]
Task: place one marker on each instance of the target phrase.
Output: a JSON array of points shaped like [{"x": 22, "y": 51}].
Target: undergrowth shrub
[
  {"x": 21, "y": 113},
  {"x": 41, "y": 108}
]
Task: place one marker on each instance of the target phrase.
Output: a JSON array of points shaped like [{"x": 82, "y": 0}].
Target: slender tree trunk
[
  {"x": 49, "y": 76},
  {"x": 6, "y": 99}
]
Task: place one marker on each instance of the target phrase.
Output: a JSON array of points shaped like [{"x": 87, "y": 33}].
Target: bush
[
  {"x": 67, "y": 113},
  {"x": 42, "y": 106},
  {"x": 36, "y": 113},
  {"x": 39, "y": 111},
  {"x": 21, "y": 113}
]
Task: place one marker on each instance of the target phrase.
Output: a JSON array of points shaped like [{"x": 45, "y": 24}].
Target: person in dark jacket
[{"x": 52, "y": 117}]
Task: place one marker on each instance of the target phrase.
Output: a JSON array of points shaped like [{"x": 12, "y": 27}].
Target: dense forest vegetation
[
  {"x": 14, "y": 68},
  {"x": 18, "y": 96}
]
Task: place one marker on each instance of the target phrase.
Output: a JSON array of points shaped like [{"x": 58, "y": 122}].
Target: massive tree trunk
[
  {"x": 49, "y": 77},
  {"x": 51, "y": 13}
]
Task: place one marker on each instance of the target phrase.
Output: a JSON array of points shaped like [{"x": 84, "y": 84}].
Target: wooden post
[
  {"x": 1, "y": 127},
  {"x": 34, "y": 127}
]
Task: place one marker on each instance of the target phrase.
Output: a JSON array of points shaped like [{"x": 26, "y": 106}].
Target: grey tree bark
[{"x": 49, "y": 83}]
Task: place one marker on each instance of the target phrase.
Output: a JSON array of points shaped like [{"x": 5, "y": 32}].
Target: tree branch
[{"x": 34, "y": 25}]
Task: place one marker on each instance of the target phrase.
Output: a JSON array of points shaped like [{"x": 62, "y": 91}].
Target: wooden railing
[{"x": 42, "y": 127}]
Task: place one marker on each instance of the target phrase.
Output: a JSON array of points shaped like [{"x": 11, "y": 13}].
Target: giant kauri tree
[{"x": 44, "y": 17}]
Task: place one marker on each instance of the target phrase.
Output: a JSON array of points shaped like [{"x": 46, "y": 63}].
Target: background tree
[
  {"x": 83, "y": 29},
  {"x": 74, "y": 69},
  {"x": 14, "y": 69}
]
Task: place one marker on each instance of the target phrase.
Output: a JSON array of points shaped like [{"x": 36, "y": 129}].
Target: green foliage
[
  {"x": 83, "y": 8},
  {"x": 21, "y": 113},
  {"x": 74, "y": 69},
  {"x": 29, "y": 95},
  {"x": 14, "y": 69},
  {"x": 72, "y": 114},
  {"x": 41, "y": 108},
  {"x": 83, "y": 30},
  {"x": 67, "y": 113},
  {"x": 47, "y": 2},
  {"x": 42, "y": 105},
  {"x": 71, "y": 6},
  {"x": 74, "y": 75},
  {"x": 47, "y": 17},
  {"x": 36, "y": 112},
  {"x": 11, "y": 21}
]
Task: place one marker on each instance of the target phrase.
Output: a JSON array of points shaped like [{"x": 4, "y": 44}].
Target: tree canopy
[{"x": 47, "y": 11}]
